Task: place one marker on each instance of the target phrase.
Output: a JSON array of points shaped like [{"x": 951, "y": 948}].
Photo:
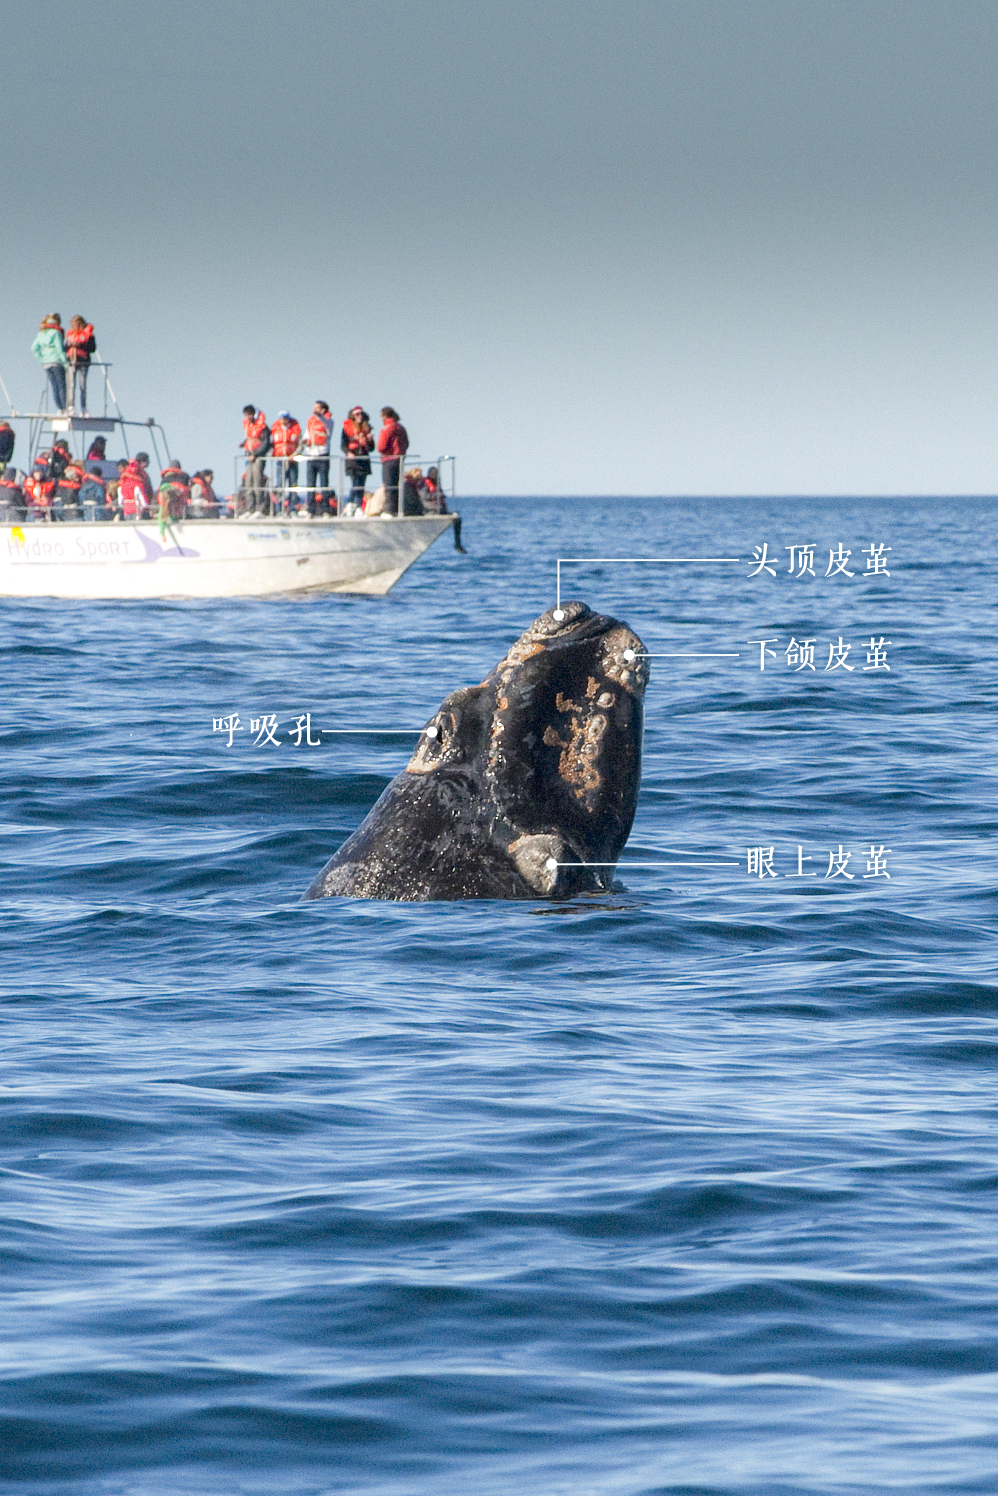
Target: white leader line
[{"x": 553, "y": 863}]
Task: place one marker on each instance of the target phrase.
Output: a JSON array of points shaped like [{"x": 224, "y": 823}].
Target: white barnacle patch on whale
[{"x": 537, "y": 858}]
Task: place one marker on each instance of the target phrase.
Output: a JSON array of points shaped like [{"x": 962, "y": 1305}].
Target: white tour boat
[
  {"x": 244, "y": 556},
  {"x": 212, "y": 557}
]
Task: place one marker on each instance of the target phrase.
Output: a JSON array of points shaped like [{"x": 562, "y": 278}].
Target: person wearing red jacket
[
  {"x": 285, "y": 437},
  {"x": 393, "y": 444},
  {"x": 135, "y": 489}
]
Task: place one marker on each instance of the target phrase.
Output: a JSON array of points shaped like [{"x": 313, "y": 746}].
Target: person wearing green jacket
[{"x": 49, "y": 349}]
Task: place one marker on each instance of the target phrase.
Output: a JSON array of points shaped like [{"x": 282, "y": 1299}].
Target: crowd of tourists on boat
[
  {"x": 63, "y": 487},
  {"x": 60, "y": 486},
  {"x": 285, "y": 442}
]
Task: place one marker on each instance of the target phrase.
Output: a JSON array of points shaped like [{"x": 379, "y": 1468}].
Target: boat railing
[
  {"x": 285, "y": 495},
  {"x": 78, "y": 425}
]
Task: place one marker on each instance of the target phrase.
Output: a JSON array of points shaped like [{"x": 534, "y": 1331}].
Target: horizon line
[{"x": 830, "y": 494}]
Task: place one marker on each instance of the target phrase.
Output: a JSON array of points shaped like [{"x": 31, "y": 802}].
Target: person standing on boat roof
[
  {"x": 393, "y": 444},
  {"x": 357, "y": 441},
  {"x": 81, "y": 345},
  {"x": 285, "y": 438},
  {"x": 318, "y": 433},
  {"x": 49, "y": 349},
  {"x": 6, "y": 445},
  {"x": 256, "y": 445}
]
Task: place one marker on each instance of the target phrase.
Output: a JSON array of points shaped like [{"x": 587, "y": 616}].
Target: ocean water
[{"x": 688, "y": 1189}]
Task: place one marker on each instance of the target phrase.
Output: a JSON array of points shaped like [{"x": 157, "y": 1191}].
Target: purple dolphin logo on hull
[{"x": 155, "y": 552}]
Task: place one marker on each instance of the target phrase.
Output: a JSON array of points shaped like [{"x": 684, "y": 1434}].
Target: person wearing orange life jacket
[
  {"x": 81, "y": 345},
  {"x": 134, "y": 488},
  {"x": 204, "y": 500},
  {"x": 33, "y": 498},
  {"x": 59, "y": 458},
  {"x": 12, "y": 505},
  {"x": 254, "y": 429},
  {"x": 256, "y": 445},
  {"x": 113, "y": 490},
  {"x": 39, "y": 487},
  {"x": 432, "y": 494},
  {"x": 357, "y": 442},
  {"x": 174, "y": 491},
  {"x": 285, "y": 439},
  {"x": 67, "y": 493},
  {"x": 318, "y": 432}
]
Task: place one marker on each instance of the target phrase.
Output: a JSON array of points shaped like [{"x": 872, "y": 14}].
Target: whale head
[{"x": 524, "y": 786}]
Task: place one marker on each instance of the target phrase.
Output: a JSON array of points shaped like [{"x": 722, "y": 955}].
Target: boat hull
[{"x": 212, "y": 558}]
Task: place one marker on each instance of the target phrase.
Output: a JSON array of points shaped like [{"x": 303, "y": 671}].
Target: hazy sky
[{"x": 691, "y": 246}]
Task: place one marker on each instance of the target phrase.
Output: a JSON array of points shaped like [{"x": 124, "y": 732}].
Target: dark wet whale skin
[{"x": 538, "y": 766}]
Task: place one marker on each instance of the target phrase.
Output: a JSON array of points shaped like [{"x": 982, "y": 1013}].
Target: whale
[{"x": 521, "y": 787}]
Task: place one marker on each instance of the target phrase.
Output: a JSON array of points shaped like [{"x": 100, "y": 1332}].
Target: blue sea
[{"x": 688, "y": 1188}]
